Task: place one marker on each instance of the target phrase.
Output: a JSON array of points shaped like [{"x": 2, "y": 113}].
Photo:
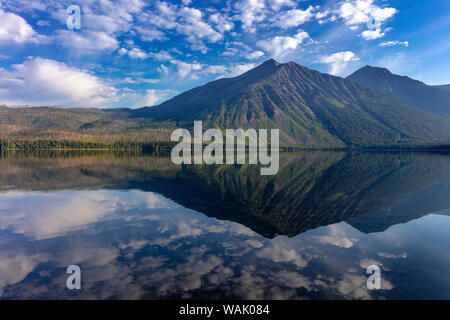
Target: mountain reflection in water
[{"x": 142, "y": 228}]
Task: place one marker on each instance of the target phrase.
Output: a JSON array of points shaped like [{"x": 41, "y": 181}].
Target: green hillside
[{"x": 52, "y": 128}]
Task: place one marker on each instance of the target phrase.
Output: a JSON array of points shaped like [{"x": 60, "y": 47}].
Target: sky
[{"x": 135, "y": 53}]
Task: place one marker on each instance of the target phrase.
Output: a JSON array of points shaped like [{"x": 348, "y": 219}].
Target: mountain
[
  {"x": 444, "y": 86},
  {"x": 310, "y": 108},
  {"x": 415, "y": 93}
]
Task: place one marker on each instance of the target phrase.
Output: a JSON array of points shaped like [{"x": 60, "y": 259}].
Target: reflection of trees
[{"x": 311, "y": 189}]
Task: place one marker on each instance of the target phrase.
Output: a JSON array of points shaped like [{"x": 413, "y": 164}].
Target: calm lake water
[{"x": 140, "y": 227}]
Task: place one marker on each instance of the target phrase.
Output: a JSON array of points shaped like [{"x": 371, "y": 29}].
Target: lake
[{"x": 140, "y": 227}]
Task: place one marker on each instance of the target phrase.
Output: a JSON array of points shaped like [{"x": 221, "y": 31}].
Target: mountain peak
[
  {"x": 375, "y": 69},
  {"x": 413, "y": 92},
  {"x": 271, "y": 62},
  {"x": 265, "y": 69},
  {"x": 307, "y": 107}
]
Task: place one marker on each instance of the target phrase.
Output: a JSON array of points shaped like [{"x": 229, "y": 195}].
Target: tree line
[{"x": 83, "y": 145}]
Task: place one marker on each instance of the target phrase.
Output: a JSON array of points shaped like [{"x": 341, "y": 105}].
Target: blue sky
[{"x": 133, "y": 53}]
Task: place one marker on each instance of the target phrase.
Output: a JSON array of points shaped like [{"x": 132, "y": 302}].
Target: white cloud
[
  {"x": 24, "y": 5},
  {"x": 359, "y": 12},
  {"x": 163, "y": 70},
  {"x": 216, "y": 69},
  {"x": 100, "y": 22},
  {"x": 43, "y": 23},
  {"x": 293, "y": 18},
  {"x": 138, "y": 53},
  {"x": 160, "y": 56},
  {"x": 189, "y": 22},
  {"x": 278, "y": 4},
  {"x": 373, "y": 34},
  {"x": 137, "y": 80},
  {"x": 186, "y": 68},
  {"x": 87, "y": 41},
  {"x": 279, "y": 45},
  {"x": 362, "y": 11},
  {"x": 394, "y": 43},
  {"x": 338, "y": 235},
  {"x": 47, "y": 82},
  {"x": 221, "y": 22},
  {"x": 193, "y": 26},
  {"x": 338, "y": 61},
  {"x": 154, "y": 97},
  {"x": 239, "y": 69},
  {"x": 135, "y": 53},
  {"x": 250, "y": 12},
  {"x": 16, "y": 265},
  {"x": 195, "y": 70},
  {"x": 15, "y": 29},
  {"x": 280, "y": 251},
  {"x": 386, "y": 255},
  {"x": 254, "y": 55},
  {"x": 150, "y": 34},
  {"x": 325, "y": 16}
]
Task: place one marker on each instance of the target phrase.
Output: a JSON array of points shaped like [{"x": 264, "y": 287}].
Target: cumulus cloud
[
  {"x": 338, "y": 61},
  {"x": 254, "y": 55},
  {"x": 373, "y": 34},
  {"x": 40, "y": 81},
  {"x": 280, "y": 251},
  {"x": 250, "y": 12},
  {"x": 185, "y": 68},
  {"x": 189, "y": 22},
  {"x": 15, "y": 29},
  {"x": 15, "y": 266},
  {"x": 278, "y": 45},
  {"x": 338, "y": 235},
  {"x": 135, "y": 53},
  {"x": 293, "y": 18},
  {"x": 356, "y": 12},
  {"x": 221, "y": 22},
  {"x": 193, "y": 26},
  {"x": 150, "y": 34},
  {"x": 62, "y": 216}
]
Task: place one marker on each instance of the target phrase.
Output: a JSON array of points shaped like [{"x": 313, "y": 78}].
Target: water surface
[{"x": 140, "y": 227}]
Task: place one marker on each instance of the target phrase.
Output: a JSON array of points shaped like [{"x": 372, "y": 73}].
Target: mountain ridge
[
  {"x": 432, "y": 99},
  {"x": 310, "y": 108}
]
